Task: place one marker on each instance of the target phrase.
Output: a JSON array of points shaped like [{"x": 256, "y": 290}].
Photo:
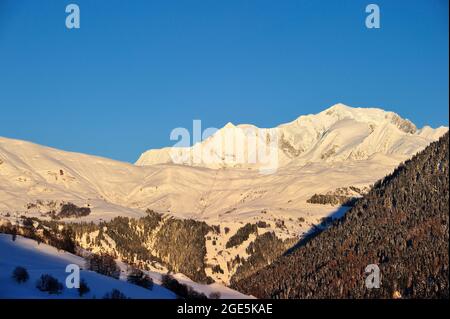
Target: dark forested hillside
[{"x": 401, "y": 225}]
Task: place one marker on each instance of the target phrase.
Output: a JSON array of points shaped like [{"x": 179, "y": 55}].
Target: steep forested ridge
[{"x": 401, "y": 225}]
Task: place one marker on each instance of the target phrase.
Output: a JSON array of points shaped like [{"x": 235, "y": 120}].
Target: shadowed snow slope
[{"x": 43, "y": 259}]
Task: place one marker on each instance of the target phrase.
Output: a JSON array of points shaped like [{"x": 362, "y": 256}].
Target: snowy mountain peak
[
  {"x": 229, "y": 125},
  {"x": 339, "y": 107},
  {"x": 338, "y": 133},
  {"x": 375, "y": 116}
]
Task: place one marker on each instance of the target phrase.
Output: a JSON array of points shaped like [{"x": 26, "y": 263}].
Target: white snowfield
[
  {"x": 340, "y": 133},
  {"x": 43, "y": 259},
  {"x": 316, "y": 154}
]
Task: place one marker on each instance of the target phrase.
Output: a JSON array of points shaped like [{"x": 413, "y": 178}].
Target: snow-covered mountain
[
  {"x": 339, "y": 147},
  {"x": 337, "y": 134},
  {"x": 338, "y": 152}
]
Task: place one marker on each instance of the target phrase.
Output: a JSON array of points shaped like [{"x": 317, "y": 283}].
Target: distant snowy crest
[{"x": 337, "y": 134}]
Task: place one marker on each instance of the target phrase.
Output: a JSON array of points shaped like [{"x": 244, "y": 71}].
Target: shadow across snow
[{"x": 315, "y": 230}]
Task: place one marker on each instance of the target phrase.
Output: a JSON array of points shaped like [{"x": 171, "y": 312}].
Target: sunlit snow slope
[
  {"x": 341, "y": 148},
  {"x": 340, "y": 133}
]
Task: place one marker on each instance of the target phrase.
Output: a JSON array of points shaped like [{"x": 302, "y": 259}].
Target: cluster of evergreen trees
[
  {"x": 103, "y": 264},
  {"x": 178, "y": 244},
  {"x": 242, "y": 235},
  {"x": 264, "y": 250},
  {"x": 139, "y": 278},
  {"x": 71, "y": 210},
  {"x": 181, "y": 290},
  {"x": 332, "y": 200},
  {"x": 47, "y": 232}
]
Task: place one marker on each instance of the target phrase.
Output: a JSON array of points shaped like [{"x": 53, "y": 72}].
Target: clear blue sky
[{"x": 137, "y": 69}]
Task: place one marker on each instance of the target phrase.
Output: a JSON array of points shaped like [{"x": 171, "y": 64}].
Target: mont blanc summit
[{"x": 339, "y": 133}]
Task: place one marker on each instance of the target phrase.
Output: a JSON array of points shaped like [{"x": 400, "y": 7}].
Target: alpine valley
[{"x": 210, "y": 224}]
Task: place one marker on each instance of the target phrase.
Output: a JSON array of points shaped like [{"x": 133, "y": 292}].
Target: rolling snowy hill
[{"x": 43, "y": 259}]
